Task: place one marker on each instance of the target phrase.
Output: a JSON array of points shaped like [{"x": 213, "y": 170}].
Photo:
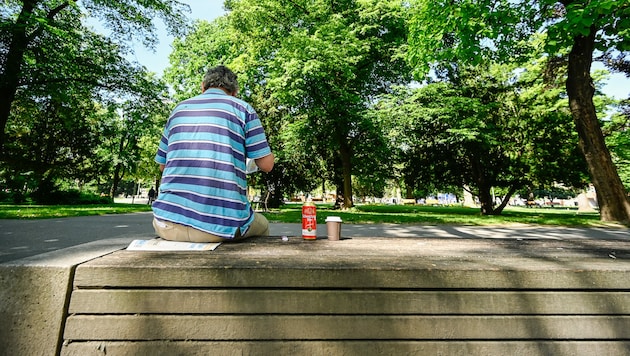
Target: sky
[
  {"x": 617, "y": 86},
  {"x": 156, "y": 61}
]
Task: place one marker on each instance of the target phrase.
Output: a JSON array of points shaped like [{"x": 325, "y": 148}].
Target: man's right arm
[{"x": 265, "y": 163}]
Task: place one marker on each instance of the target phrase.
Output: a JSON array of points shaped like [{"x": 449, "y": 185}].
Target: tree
[
  {"x": 53, "y": 140},
  {"x": 130, "y": 139},
  {"x": 324, "y": 62},
  {"x": 617, "y": 132},
  {"x": 312, "y": 103},
  {"x": 553, "y": 150},
  {"x": 482, "y": 131},
  {"x": 617, "y": 129},
  {"x": 476, "y": 31},
  {"x": 455, "y": 135},
  {"x": 35, "y": 33},
  {"x": 205, "y": 45}
]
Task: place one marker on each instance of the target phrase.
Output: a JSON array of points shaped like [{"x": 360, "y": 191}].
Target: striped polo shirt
[{"x": 203, "y": 147}]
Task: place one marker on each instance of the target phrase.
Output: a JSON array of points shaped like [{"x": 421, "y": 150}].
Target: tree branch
[
  {"x": 94, "y": 82},
  {"x": 50, "y": 17},
  {"x": 305, "y": 10}
]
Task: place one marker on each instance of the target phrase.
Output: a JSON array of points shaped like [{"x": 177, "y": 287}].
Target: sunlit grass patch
[
  {"x": 58, "y": 211},
  {"x": 432, "y": 215},
  {"x": 360, "y": 214}
]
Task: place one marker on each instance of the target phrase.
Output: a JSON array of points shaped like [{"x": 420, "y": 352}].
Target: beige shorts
[{"x": 177, "y": 232}]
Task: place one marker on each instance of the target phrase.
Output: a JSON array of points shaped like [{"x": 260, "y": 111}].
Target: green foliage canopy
[
  {"x": 57, "y": 75},
  {"x": 324, "y": 62},
  {"x": 45, "y": 46},
  {"x": 447, "y": 34}
]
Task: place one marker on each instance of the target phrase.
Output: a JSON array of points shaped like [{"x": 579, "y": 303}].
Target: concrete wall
[{"x": 34, "y": 294}]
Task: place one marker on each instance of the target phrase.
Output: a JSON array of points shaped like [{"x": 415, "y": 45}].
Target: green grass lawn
[
  {"x": 61, "y": 211},
  {"x": 433, "y": 215},
  {"x": 361, "y": 214}
]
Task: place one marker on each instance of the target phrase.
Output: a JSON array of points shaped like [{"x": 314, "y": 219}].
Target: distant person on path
[
  {"x": 151, "y": 195},
  {"x": 202, "y": 154}
]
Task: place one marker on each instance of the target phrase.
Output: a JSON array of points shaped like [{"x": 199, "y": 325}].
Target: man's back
[{"x": 204, "y": 146}]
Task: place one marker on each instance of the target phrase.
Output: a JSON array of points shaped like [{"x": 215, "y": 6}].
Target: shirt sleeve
[
  {"x": 255, "y": 139},
  {"x": 160, "y": 155}
]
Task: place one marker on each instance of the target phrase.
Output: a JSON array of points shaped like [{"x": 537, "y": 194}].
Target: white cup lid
[{"x": 333, "y": 219}]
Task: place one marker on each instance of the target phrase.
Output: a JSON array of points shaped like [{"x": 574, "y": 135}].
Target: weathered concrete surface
[
  {"x": 33, "y": 299},
  {"x": 350, "y": 348},
  {"x": 507, "y": 231},
  {"x": 357, "y": 262},
  {"x": 358, "y": 296},
  {"x": 34, "y": 292}
]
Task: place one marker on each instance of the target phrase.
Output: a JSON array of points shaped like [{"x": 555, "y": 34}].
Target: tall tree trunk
[
  {"x": 611, "y": 195},
  {"x": 485, "y": 200},
  {"x": 118, "y": 170},
  {"x": 115, "y": 181},
  {"x": 158, "y": 180},
  {"x": 483, "y": 186},
  {"x": 346, "y": 164},
  {"x": 506, "y": 199},
  {"x": 409, "y": 192},
  {"x": 12, "y": 66}
]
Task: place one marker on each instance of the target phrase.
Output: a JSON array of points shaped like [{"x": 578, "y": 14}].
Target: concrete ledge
[
  {"x": 327, "y": 348},
  {"x": 35, "y": 291},
  {"x": 268, "y": 296},
  {"x": 429, "y": 263},
  {"x": 357, "y": 296}
]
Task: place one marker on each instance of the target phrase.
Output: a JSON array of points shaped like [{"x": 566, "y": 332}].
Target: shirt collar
[{"x": 215, "y": 91}]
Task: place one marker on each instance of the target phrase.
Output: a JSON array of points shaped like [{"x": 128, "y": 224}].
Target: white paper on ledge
[{"x": 165, "y": 245}]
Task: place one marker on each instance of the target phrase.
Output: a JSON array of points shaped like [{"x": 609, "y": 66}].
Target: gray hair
[{"x": 220, "y": 77}]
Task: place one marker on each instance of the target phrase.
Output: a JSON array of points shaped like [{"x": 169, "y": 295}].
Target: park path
[{"x": 25, "y": 238}]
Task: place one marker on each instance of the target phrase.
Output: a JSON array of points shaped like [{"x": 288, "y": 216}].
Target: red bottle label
[{"x": 309, "y": 221}]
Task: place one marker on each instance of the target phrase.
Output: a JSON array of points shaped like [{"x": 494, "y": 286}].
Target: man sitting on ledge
[{"x": 202, "y": 154}]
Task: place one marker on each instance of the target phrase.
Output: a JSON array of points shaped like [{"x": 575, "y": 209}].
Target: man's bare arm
[{"x": 265, "y": 164}]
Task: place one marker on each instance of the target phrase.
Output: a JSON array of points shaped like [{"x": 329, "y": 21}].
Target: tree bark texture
[
  {"x": 483, "y": 185},
  {"x": 22, "y": 33},
  {"x": 346, "y": 165},
  {"x": 611, "y": 195},
  {"x": 10, "y": 75}
]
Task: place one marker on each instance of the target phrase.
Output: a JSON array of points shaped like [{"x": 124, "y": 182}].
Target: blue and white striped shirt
[{"x": 204, "y": 146}]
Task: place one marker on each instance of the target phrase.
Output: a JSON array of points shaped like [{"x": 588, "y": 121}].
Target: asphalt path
[{"x": 26, "y": 238}]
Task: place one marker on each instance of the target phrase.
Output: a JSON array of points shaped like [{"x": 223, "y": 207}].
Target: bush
[
  {"x": 70, "y": 197},
  {"x": 15, "y": 197}
]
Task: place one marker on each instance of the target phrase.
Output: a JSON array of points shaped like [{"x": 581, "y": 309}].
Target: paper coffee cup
[{"x": 333, "y": 228}]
